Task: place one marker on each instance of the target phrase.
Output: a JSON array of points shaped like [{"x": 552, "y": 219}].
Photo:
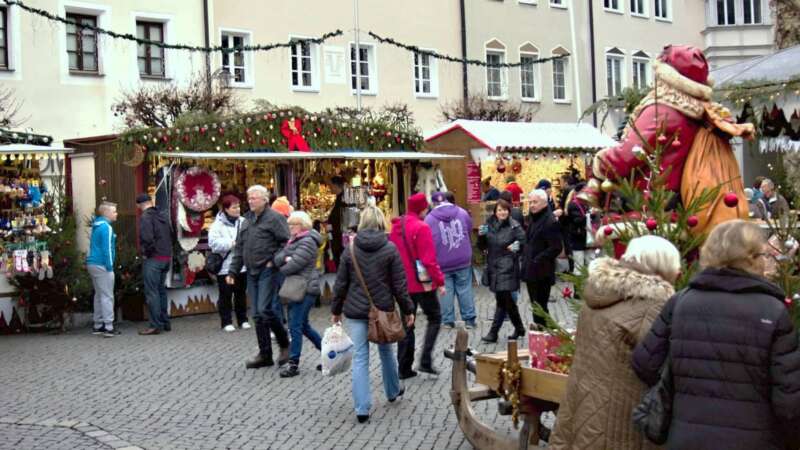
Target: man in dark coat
[
  {"x": 262, "y": 234},
  {"x": 335, "y": 217},
  {"x": 155, "y": 243},
  {"x": 543, "y": 244}
]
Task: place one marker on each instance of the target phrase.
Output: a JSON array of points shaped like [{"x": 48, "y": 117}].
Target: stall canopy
[
  {"x": 522, "y": 136},
  {"x": 396, "y": 156}
]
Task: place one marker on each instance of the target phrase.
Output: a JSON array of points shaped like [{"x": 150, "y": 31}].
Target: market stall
[
  {"x": 189, "y": 169},
  {"x": 31, "y": 194},
  {"x": 530, "y": 151}
]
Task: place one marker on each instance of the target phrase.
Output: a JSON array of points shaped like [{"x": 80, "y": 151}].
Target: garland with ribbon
[
  {"x": 191, "y": 48},
  {"x": 279, "y": 130},
  {"x": 474, "y": 62}
]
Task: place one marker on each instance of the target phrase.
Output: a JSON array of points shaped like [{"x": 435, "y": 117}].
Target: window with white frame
[
  {"x": 304, "y": 65},
  {"x": 560, "y": 79},
  {"x": 612, "y": 5},
  {"x": 527, "y": 75},
  {"x": 363, "y": 69},
  {"x": 425, "y": 77},
  {"x": 82, "y": 49},
  {"x": 496, "y": 76},
  {"x": 752, "y": 11},
  {"x": 4, "y": 63},
  {"x": 234, "y": 61},
  {"x": 614, "y": 62},
  {"x": 662, "y": 9},
  {"x": 641, "y": 70},
  {"x": 637, "y": 7},
  {"x": 726, "y": 12}
]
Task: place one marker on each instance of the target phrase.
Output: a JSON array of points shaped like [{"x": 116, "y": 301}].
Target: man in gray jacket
[{"x": 262, "y": 234}]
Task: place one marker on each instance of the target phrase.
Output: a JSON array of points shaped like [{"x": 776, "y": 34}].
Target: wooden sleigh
[{"x": 537, "y": 391}]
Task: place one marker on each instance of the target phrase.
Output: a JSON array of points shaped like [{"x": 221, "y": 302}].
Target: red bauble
[
  {"x": 692, "y": 221},
  {"x": 608, "y": 231},
  {"x": 319, "y": 130},
  {"x": 221, "y": 131},
  {"x": 388, "y": 134},
  {"x": 731, "y": 199},
  {"x": 165, "y": 139},
  {"x": 186, "y": 138},
  {"x": 651, "y": 224},
  {"x": 169, "y": 148},
  {"x": 247, "y": 131},
  {"x": 203, "y": 130},
  {"x": 646, "y": 195},
  {"x": 263, "y": 141},
  {"x": 334, "y": 132},
  {"x": 673, "y": 217},
  {"x": 232, "y": 145}
]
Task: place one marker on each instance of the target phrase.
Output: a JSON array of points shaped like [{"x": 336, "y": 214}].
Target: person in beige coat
[{"x": 622, "y": 299}]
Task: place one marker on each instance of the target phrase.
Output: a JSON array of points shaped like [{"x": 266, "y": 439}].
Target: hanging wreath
[{"x": 198, "y": 188}]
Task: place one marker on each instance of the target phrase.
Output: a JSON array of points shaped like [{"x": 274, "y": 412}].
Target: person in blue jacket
[{"x": 100, "y": 264}]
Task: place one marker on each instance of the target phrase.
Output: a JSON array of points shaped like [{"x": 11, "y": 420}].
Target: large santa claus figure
[{"x": 693, "y": 133}]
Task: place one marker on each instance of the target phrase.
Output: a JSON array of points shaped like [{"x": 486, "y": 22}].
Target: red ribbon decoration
[{"x": 292, "y": 131}]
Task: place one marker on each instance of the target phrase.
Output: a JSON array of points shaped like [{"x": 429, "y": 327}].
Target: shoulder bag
[
  {"x": 419, "y": 269},
  {"x": 214, "y": 260},
  {"x": 293, "y": 289},
  {"x": 384, "y": 327},
  {"x": 652, "y": 416}
]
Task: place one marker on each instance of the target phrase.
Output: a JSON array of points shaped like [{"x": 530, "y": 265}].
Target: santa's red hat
[{"x": 687, "y": 60}]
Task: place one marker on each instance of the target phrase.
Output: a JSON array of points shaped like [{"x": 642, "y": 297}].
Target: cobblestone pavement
[{"x": 189, "y": 390}]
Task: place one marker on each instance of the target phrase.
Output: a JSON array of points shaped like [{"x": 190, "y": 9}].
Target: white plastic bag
[{"x": 337, "y": 351}]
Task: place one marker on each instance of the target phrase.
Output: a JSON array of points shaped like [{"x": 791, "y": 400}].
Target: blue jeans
[
  {"x": 154, "y": 276},
  {"x": 362, "y": 398},
  {"x": 299, "y": 327},
  {"x": 458, "y": 283},
  {"x": 263, "y": 294}
]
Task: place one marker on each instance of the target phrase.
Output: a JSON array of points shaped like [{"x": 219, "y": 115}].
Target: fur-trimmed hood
[{"x": 610, "y": 282}]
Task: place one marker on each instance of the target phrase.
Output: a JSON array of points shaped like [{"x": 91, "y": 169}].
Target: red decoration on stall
[
  {"x": 292, "y": 131},
  {"x": 198, "y": 188}
]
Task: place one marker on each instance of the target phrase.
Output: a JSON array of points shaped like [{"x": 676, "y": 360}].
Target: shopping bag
[{"x": 337, "y": 351}]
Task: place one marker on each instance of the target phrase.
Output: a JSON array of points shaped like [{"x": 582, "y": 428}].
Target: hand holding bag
[
  {"x": 653, "y": 415},
  {"x": 384, "y": 327},
  {"x": 419, "y": 269}
]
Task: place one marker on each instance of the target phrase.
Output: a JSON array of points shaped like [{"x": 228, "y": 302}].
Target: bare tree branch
[{"x": 479, "y": 107}]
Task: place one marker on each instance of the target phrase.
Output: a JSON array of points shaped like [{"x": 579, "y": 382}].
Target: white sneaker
[
  {"x": 272, "y": 335},
  {"x": 246, "y": 326},
  {"x": 229, "y": 328}
]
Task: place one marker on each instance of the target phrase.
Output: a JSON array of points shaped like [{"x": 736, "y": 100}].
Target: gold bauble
[{"x": 608, "y": 186}]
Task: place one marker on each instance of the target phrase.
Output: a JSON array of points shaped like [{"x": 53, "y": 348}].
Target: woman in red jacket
[{"x": 413, "y": 239}]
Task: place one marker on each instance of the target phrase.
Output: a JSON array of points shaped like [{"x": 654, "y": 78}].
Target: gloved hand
[
  {"x": 483, "y": 230},
  {"x": 514, "y": 247}
]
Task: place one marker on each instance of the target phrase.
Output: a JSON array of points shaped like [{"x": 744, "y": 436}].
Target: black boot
[
  {"x": 497, "y": 322},
  {"x": 519, "y": 328},
  {"x": 259, "y": 361},
  {"x": 290, "y": 370}
]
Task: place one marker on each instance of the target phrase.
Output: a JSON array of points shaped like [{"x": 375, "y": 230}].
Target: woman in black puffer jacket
[
  {"x": 502, "y": 236},
  {"x": 734, "y": 351},
  {"x": 299, "y": 257},
  {"x": 385, "y": 277}
]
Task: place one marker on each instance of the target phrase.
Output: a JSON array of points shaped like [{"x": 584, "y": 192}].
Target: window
[
  {"x": 752, "y": 11},
  {"x": 612, "y": 5},
  {"x": 726, "y": 14},
  {"x": 560, "y": 80},
  {"x": 150, "y": 57},
  {"x": 496, "y": 80},
  {"x": 82, "y": 44},
  {"x": 641, "y": 68},
  {"x": 527, "y": 76},
  {"x": 661, "y": 10},
  {"x": 558, "y": 3},
  {"x": 234, "y": 62},
  {"x": 305, "y": 72},
  {"x": 363, "y": 70},
  {"x": 614, "y": 60},
  {"x": 637, "y": 7},
  {"x": 4, "y": 38},
  {"x": 425, "y": 83}
]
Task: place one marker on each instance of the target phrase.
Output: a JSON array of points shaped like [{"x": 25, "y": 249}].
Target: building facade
[{"x": 736, "y": 30}]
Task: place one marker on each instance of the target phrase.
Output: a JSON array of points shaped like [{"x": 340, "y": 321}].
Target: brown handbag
[{"x": 384, "y": 327}]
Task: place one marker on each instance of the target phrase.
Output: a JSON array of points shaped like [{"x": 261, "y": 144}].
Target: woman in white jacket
[{"x": 221, "y": 239}]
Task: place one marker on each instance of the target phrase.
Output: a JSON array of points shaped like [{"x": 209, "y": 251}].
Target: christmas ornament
[
  {"x": 607, "y": 186},
  {"x": 501, "y": 166},
  {"x": 676, "y": 143},
  {"x": 692, "y": 221},
  {"x": 661, "y": 139},
  {"x": 651, "y": 224},
  {"x": 516, "y": 167},
  {"x": 292, "y": 130},
  {"x": 608, "y": 231},
  {"x": 566, "y": 292},
  {"x": 731, "y": 199},
  {"x": 198, "y": 188},
  {"x": 674, "y": 217}
]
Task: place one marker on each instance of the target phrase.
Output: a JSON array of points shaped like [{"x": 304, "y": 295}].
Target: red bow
[{"x": 292, "y": 131}]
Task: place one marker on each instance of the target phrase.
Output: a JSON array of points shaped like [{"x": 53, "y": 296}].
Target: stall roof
[
  {"x": 528, "y": 135},
  {"x": 28, "y": 148},
  {"x": 779, "y": 66},
  {"x": 418, "y": 156}
]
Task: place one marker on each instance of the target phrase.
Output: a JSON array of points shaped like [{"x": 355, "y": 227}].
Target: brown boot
[
  {"x": 283, "y": 357},
  {"x": 259, "y": 361}
]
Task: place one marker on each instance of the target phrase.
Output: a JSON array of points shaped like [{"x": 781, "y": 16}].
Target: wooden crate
[{"x": 535, "y": 383}]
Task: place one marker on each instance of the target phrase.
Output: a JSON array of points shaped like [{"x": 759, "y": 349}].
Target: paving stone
[{"x": 189, "y": 389}]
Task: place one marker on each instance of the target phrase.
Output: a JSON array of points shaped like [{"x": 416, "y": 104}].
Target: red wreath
[
  {"x": 198, "y": 189},
  {"x": 292, "y": 130}
]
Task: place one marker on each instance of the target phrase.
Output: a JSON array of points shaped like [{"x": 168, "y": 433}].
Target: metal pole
[
  {"x": 358, "y": 56},
  {"x": 575, "y": 59}
]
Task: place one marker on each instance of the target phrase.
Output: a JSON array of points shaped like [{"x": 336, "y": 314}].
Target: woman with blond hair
[
  {"x": 732, "y": 350},
  {"x": 622, "y": 298},
  {"x": 384, "y": 282}
]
